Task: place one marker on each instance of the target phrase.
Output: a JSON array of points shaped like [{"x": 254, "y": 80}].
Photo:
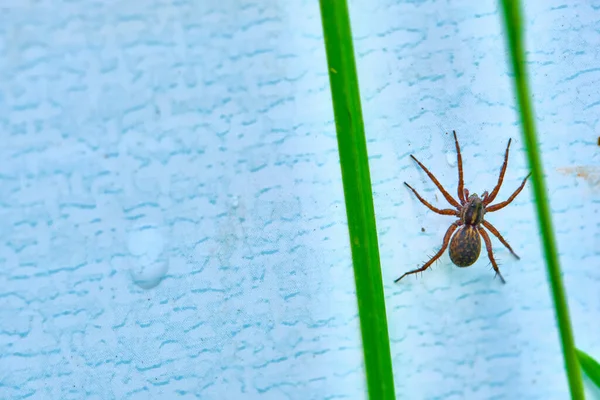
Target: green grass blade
[
  {"x": 514, "y": 29},
  {"x": 358, "y": 195},
  {"x": 590, "y": 366}
]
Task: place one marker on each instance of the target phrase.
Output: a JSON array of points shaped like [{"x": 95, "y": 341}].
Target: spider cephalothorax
[{"x": 465, "y": 245}]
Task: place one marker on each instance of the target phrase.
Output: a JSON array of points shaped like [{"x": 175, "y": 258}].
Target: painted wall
[
  {"x": 173, "y": 222},
  {"x": 429, "y": 68}
]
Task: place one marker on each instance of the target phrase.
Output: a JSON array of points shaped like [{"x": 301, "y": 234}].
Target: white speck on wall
[
  {"x": 451, "y": 158},
  {"x": 235, "y": 201}
]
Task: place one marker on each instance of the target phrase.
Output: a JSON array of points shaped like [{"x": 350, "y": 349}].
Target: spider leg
[
  {"x": 494, "y": 193},
  {"x": 484, "y": 195},
  {"x": 447, "y": 237},
  {"x": 438, "y": 184},
  {"x": 495, "y": 232},
  {"x": 446, "y": 211},
  {"x": 503, "y": 204},
  {"x": 461, "y": 182},
  {"x": 488, "y": 245}
]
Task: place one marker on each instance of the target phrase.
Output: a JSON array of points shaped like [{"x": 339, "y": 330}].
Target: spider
[{"x": 465, "y": 245}]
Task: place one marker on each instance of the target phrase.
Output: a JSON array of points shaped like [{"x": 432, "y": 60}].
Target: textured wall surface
[
  {"x": 425, "y": 69},
  {"x": 173, "y": 223},
  {"x": 173, "y": 219}
]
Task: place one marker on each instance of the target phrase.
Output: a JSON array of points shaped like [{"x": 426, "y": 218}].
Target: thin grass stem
[{"x": 358, "y": 196}]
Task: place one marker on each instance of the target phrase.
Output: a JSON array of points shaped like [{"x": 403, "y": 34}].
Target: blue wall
[{"x": 173, "y": 222}]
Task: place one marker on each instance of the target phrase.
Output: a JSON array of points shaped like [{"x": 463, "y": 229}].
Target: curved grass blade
[
  {"x": 590, "y": 366},
  {"x": 514, "y": 31},
  {"x": 358, "y": 195}
]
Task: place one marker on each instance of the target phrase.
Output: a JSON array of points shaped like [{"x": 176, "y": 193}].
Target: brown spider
[{"x": 465, "y": 245}]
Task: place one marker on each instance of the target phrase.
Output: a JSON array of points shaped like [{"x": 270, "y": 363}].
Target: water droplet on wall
[
  {"x": 146, "y": 245},
  {"x": 148, "y": 275}
]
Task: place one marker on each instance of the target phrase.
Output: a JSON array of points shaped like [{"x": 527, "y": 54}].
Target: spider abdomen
[{"x": 465, "y": 246}]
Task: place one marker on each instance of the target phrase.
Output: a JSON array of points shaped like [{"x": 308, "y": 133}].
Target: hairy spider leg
[
  {"x": 488, "y": 199},
  {"x": 488, "y": 245},
  {"x": 445, "y": 211},
  {"x": 495, "y": 232},
  {"x": 438, "y": 184},
  {"x": 503, "y": 204},
  {"x": 461, "y": 182},
  {"x": 447, "y": 237}
]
